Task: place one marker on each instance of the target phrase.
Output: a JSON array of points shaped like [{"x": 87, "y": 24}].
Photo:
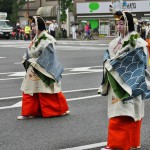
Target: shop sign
[
  {"x": 123, "y": 5},
  {"x": 103, "y": 7},
  {"x": 128, "y": 5}
]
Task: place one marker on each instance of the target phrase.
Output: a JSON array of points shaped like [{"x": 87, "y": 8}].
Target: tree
[
  {"x": 11, "y": 7},
  {"x": 62, "y": 7},
  {"x": 18, "y": 4},
  {"x": 6, "y": 6},
  {"x": 64, "y": 4}
]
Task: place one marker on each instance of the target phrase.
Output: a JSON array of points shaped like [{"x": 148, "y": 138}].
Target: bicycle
[{"x": 94, "y": 35}]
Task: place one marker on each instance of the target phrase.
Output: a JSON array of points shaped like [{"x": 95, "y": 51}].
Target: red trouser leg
[
  {"x": 135, "y": 134},
  {"x": 120, "y": 133},
  {"x": 30, "y": 105},
  {"x": 53, "y": 104}
]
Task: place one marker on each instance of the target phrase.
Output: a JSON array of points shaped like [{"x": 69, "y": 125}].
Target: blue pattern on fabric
[
  {"x": 106, "y": 56},
  {"x": 131, "y": 68},
  {"x": 50, "y": 63}
]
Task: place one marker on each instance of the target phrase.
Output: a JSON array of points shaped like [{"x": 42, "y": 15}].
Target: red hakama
[
  {"x": 123, "y": 133},
  {"x": 44, "y": 104}
]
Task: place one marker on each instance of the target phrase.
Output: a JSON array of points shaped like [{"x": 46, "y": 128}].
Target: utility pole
[
  {"x": 68, "y": 22},
  {"x": 28, "y": 7},
  {"x": 58, "y": 33},
  {"x": 40, "y": 3},
  {"x": 58, "y": 14}
]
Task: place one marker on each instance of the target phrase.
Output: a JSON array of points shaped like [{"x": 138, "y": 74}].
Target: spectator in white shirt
[
  {"x": 74, "y": 34},
  {"x": 52, "y": 29},
  {"x": 147, "y": 28}
]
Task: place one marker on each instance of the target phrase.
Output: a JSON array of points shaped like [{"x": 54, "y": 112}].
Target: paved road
[{"x": 85, "y": 127}]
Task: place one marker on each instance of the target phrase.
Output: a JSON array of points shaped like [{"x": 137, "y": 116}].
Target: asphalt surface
[{"x": 85, "y": 127}]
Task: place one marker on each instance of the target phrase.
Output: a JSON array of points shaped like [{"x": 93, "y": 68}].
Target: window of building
[{"x": 107, "y": 27}]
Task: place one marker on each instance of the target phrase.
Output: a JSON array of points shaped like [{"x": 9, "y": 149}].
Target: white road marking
[
  {"x": 2, "y": 57},
  {"x": 79, "y": 90},
  {"x": 87, "y": 69},
  {"x": 58, "y": 42},
  {"x": 87, "y": 146},
  {"x": 63, "y": 46},
  {"x": 12, "y": 97},
  {"x": 79, "y": 70},
  {"x": 18, "y": 63},
  {"x": 75, "y": 48},
  {"x": 70, "y": 91},
  {"x": 85, "y": 97},
  {"x": 14, "y": 42},
  {"x": 79, "y": 73},
  {"x": 11, "y": 78},
  {"x": 19, "y": 104},
  {"x": 7, "y": 72},
  {"x": 83, "y": 67},
  {"x": 16, "y": 46},
  {"x": 84, "y": 44},
  {"x": 18, "y": 74},
  {"x": 21, "y": 75}
]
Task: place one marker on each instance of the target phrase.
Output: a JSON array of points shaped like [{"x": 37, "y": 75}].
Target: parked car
[{"x": 5, "y": 26}]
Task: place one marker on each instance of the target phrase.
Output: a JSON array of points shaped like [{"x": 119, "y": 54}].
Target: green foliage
[
  {"x": 63, "y": 16},
  {"x": 11, "y": 7},
  {"x": 132, "y": 40},
  {"x": 64, "y": 4},
  {"x": 6, "y": 6},
  {"x": 71, "y": 8},
  {"x": 43, "y": 37}
]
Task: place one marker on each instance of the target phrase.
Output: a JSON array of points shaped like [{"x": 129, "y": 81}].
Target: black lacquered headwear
[
  {"x": 39, "y": 22},
  {"x": 127, "y": 17}
]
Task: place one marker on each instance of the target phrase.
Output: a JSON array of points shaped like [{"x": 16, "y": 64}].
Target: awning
[{"x": 47, "y": 11}]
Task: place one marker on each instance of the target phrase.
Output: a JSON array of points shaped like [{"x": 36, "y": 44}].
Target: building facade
[
  {"x": 44, "y": 8},
  {"x": 97, "y": 12}
]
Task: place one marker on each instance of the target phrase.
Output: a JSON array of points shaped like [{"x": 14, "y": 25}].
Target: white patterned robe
[
  {"x": 32, "y": 83},
  {"x": 116, "y": 107}
]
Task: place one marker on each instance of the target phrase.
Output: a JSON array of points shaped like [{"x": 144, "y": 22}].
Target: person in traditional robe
[
  {"x": 126, "y": 83},
  {"x": 41, "y": 87}
]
